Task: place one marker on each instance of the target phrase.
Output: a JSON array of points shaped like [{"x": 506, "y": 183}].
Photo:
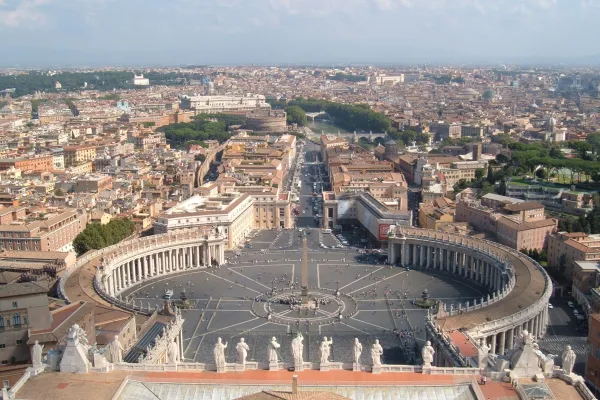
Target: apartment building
[
  {"x": 592, "y": 366},
  {"x": 272, "y": 209},
  {"x": 445, "y": 131},
  {"x": 41, "y": 163},
  {"x": 566, "y": 249},
  {"x": 332, "y": 142},
  {"x": 23, "y": 306},
  {"x": 436, "y": 213},
  {"x": 520, "y": 225},
  {"x": 53, "y": 231},
  {"x": 75, "y": 155}
]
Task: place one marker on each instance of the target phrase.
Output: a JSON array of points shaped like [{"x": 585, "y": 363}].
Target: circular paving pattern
[{"x": 324, "y": 306}]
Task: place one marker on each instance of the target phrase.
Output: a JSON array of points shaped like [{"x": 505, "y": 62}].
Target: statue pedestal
[
  {"x": 376, "y": 369},
  {"x": 298, "y": 367},
  {"x": 324, "y": 367},
  {"x": 273, "y": 366},
  {"x": 240, "y": 367},
  {"x": 355, "y": 367},
  {"x": 221, "y": 369},
  {"x": 427, "y": 369}
]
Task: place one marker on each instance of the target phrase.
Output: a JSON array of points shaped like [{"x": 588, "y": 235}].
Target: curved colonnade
[
  {"x": 519, "y": 287},
  {"x": 146, "y": 258}
]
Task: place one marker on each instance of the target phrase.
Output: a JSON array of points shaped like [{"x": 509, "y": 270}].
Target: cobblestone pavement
[{"x": 221, "y": 301}]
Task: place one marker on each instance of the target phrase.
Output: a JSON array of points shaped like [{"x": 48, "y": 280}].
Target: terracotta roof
[
  {"x": 526, "y": 205},
  {"x": 21, "y": 289}
]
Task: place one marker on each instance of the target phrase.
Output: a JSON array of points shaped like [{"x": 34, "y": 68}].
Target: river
[{"x": 317, "y": 127}]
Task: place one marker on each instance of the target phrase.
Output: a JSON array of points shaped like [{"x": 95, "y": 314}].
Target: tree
[
  {"x": 594, "y": 140},
  {"x": 490, "y": 175},
  {"x": 541, "y": 173},
  {"x": 479, "y": 172},
  {"x": 59, "y": 192},
  {"x": 488, "y": 95},
  {"x": 296, "y": 115},
  {"x": 96, "y": 236}
]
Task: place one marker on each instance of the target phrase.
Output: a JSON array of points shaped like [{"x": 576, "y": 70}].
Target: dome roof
[{"x": 390, "y": 142}]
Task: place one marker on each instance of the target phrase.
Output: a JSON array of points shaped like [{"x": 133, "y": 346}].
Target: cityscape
[{"x": 300, "y": 200}]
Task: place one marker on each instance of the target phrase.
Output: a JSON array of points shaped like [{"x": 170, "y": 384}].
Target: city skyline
[{"x": 226, "y": 32}]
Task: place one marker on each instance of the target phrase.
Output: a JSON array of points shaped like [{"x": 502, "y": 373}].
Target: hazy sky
[{"x": 84, "y": 32}]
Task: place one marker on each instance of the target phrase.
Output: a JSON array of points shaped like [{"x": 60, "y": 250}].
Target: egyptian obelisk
[{"x": 304, "y": 293}]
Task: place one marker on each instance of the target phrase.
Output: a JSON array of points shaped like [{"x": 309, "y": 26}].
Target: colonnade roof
[{"x": 529, "y": 288}]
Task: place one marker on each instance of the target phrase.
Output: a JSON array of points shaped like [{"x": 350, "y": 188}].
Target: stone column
[
  {"x": 454, "y": 263},
  {"x": 144, "y": 267},
  {"x": 197, "y": 250},
  {"x": 494, "y": 344},
  {"x": 502, "y": 341},
  {"x": 209, "y": 255},
  {"x": 511, "y": 338},
  {"x": 428, "y": 262}
]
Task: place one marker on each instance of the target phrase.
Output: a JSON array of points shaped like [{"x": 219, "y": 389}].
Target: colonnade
[
  {"x": 504, "y": 340},
  {"x": 455, "y": 258},
  {"x": 156, "y": 261}
]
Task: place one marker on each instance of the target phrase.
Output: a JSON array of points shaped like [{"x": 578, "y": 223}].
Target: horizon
[{"x": 57, "y": 33}]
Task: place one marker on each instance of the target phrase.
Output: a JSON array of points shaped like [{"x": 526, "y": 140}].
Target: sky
[{"x": 268, "y": 32}]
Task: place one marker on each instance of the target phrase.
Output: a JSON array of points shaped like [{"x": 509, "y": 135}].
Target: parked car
[
  {"x": 571, "y": 304},
  {"x": 550, "y": 305}
]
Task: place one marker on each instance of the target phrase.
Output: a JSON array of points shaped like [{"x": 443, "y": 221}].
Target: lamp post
[
  {"x": 273, "y": 286},
  {"x": 337, "y": 288}
]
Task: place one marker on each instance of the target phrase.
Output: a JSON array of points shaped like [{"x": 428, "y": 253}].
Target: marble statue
[
  {"x": 325, "y": 349},
  {"x": 82, "y": 336},
  {"x": 173, "y": 352},
  {"x": 297, "y": 349},
  {"x": 545, "y": 362},
  {"x": 483, "y": 354},
  {"x": 376, "y": 353},
  {"x": 427, "y": 354},
  {"x": 273, "y": 346},
  {"x": 115, "y": 350},
  {"x": 242, "y": 349},
  {"x": 568, "y": 360},
  {"x": 219, "y": 352},
  {"x": 357, "y": 350},
  {"x": 36, "y": 354}
]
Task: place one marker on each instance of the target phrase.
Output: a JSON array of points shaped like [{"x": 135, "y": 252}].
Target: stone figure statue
[
  {"x": 376, "y": 353},
  {"x": 427, "y": 354},
  {"x": 219, "y": 352},
  {"x": 173, "y": 352},
  {"x": 273, "y": 346},
  {"x": 483, "y": 354},
  {"x": 546, "y": 363},
  {"x": 242, "y": 349},
  {"x": 297, "y": 349},
  {"x": 325, "y": 349},
  {"x": 36, "y": 354},
  {"x": 82, "y": 336},
  {"x": 568, "y": 360},
  {"x": 115, "y": 350},
  {"x": 357, "y": 350}
]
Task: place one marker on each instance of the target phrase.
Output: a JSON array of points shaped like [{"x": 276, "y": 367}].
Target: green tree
[
  {"x": 296, "y": 115},
  {"x": 488, "y": 95},
  {"x": 479, "y": 173},
  {"x": 594, "y": 140}
]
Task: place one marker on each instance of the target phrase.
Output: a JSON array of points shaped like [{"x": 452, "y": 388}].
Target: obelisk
[{"x": 304, "y": 277}]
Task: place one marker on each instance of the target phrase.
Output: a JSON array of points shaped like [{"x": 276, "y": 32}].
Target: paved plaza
[{"x": 234, "y": 301}]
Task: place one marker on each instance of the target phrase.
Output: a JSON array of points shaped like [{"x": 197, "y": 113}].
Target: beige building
[
  {"x": 53, "y": 231},
  {"x": 23, "y": 306},
  {"x": 219, "y": 104},
  {"x": 436, "y": 213},
  {"x": 75, "y": 155},
  {"x": 232, "y": 212},
  {"x": 520, "y": 225},
  {"x": 566, "y": 249},
  {"x": 271, "y": 209}
]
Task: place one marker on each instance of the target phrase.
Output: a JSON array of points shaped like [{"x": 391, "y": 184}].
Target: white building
[
  {"x": 231, "y": 212},
  {"x": 139, "y": 80},
  {"x": 219, "y": 104}
]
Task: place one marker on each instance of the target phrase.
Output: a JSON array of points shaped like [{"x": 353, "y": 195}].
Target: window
[
  {"x": 5, "y": 384},
  {"x": 2, "y": 346},
  {"x": 15, "y": 305},
  {"x": 19, "y": 341},
  {"x": 17, "y": 319},
  {"x": 1, "y": 322}
]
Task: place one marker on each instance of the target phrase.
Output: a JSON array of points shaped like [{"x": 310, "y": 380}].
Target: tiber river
[{"x": 317, "y": 127}]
